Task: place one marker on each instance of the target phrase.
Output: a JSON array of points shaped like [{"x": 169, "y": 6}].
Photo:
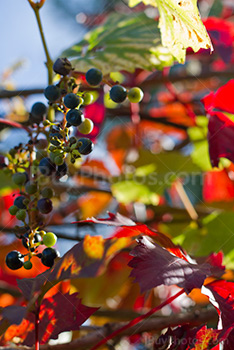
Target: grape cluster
[{"x": 52, "y": 146}]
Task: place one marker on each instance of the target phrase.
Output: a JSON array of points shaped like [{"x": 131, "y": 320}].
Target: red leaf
[
  {"x": 222, "y": 34},
  {"x": 153, "y": 265},
  {"x": 220, "y": 138},
  {"x": 222, "y": 296},
  {"x": 11, "y": 315},
  {"x": 130, "y": 229},
  {"x": 220, "y": 127},
  {"x": 60, "y": 313},
  {"x": 88, "y": 258},
  {"x": 185, "y": 338}
]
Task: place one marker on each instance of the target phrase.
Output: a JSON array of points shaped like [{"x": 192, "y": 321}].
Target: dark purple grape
[
  {"x": 118, "y": 93},
  {"x": 46, "y": 166},
  {"x": 14, "y": 260},
  {"x": 62, "y": 66},
  {"x": 86, "y": 146},
  {"x": 48, "y": 256},
  {"x": 19, "y": 202},
  {"x": 61, "y": 170},
  {"x": 75, "y": 117},
  {"x": 71, "y": 100},
  {"x": 52, "y": 93},
  {"x": 38, "y": 112},
  {"x": 44, "y": 205},
  {"x": 93, "y": 76}
]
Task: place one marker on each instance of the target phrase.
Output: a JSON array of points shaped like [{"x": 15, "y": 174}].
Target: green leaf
[
  {"x": 181, "y": 26},
  {"x": 216, "y": 234},
  {"x": 133, "y": 191},
  {"x": 123, "y": 42},
  {"x": 198, "y": 136},
  {"x": 153, "y": 174}
]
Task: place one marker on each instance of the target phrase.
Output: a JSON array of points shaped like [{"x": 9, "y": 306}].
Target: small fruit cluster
[
  {"x": 52, "y": 146},
  {"x": 32, "y": 240},
  {"x": 118, "y": 93}
]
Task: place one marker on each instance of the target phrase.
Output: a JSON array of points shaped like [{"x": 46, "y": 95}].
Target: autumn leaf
[
  {"x": 184, "y": 338},
  {"x": 221, "y": 295},
  {"x": 13, "y": 314},
  {"x": 153, "y": 266},
  {"x": 220, "y": 126},
  {"x": 88, "y": 258},
  {"x": 181, "y": 26},
  {"x": 60, "y": 313},
  {"x": 128, "y": 228}
]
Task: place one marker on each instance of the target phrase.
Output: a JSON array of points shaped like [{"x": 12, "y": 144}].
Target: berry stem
[
  {"x": 49, "y": 62},
  {"x": 137, "y": 320}
]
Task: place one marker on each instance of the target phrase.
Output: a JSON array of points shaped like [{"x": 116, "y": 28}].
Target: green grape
[
  {"x": 86, "y": 127},
  {"x": 87, "y": 99},
  {"x": 13, "y": 209},
  {"x": 135, "y": 95},
  {"x": 31, "y": 187},
  {"x": 58, "y": 160},
  {"x": 21, "y": 214},
  {"x": 47, "y": 192},
  {"x": 41, "y": 154},
  {"x": 19, "y": 178},
  {"x": 27, "y": 265},
  {"x": 49, "y": 239}
]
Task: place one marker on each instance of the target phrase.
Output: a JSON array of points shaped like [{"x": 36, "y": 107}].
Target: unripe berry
[
  {"x": 47, "y": 192},
  {"x": 87, "y": 99},
  {"x": 49, "y": 239},
  {"x": 13, "y": 209},
  {"x": 21, "y": 214},
  {"x": 135, "y": 95},
  {"x": 19, "y": 178},
  {"x": 86, "y": 127},
  {"x": 27, "y": 265},
  {"x": 31, "y": 187}
]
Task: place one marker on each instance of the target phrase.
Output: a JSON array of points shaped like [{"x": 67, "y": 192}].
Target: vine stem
[
  {"x": 49, "y": 62},
  {"x": 137, "y": 320},
  {"x": 37, "y": 321}
]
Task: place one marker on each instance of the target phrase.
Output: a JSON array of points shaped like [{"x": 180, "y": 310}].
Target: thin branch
[
  {"x": 49, "y": 62},
  {"x": 20, "y": 92},
  {"x": 153, "y": 324},
  {"x": 186, "y": 201},
  {"x": 136, "y": 321}
]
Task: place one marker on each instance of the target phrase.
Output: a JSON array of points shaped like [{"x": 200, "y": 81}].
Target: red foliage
[{"x": 220, "y": 127}]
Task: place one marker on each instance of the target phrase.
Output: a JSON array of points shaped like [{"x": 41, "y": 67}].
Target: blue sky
[{"x": 20, "y": 38}]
